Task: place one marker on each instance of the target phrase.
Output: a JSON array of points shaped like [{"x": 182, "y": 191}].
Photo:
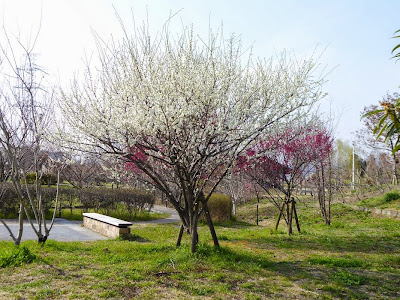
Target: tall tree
[{"x": 180, "y": 109}]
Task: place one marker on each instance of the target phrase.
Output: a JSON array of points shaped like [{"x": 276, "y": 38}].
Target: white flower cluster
[{"x": 189, "y": 105}]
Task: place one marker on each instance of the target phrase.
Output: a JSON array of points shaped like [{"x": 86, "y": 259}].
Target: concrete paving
[
  {"x": 173, "y": 218},
  {"x": 67, "y": 231},
  {"x": 63, "y": 230}
]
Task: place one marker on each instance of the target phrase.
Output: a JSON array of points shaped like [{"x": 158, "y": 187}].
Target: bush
[
  {"x": 391, "y": 196},
  {"x": 220, "y": 207}
]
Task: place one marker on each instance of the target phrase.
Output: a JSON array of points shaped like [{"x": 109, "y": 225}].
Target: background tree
[
  {"x": 180, "y": 109},
  {"x": 82, "y": 172},
  {"x": 235, "y": 185},
  {"x": 366, "y": 138}
]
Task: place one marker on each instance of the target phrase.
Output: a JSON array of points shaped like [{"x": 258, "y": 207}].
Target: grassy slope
[
  {"x": 356, "y": 257},
  {"x": 383, "y": 201}
]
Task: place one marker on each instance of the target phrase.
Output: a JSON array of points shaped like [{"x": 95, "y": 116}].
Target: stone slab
[{"x": 108, "y": 220}]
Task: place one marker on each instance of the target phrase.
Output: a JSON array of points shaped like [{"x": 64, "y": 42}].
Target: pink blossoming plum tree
[{"x": 296, "y": 154}]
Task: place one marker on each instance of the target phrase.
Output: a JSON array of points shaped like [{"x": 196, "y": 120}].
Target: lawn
[{"x": 358, "y": 256}]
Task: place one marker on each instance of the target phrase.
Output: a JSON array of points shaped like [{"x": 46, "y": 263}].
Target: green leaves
[
  {"x": 389, "y": 122},
  {"x": 397, "y": 55}
]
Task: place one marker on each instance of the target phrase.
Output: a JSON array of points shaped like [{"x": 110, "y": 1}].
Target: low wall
[{"x": 108, "y": 226}]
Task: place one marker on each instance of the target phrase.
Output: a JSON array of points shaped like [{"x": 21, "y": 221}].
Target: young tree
[
  {"x": 235, "y": 185},
  {"x": 25, "y": 109},
  {"x": 180, "y": 109}
]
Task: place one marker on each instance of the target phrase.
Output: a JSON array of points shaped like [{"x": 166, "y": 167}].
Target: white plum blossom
[{"x": 180, "y": 109}]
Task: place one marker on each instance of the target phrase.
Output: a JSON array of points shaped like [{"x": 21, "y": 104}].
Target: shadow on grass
[
  {"x": 233, "y": 224},
  {"x": 342, "y": 282},
  {"x": 134, "y": 238},
  {"x": 338, "y": 279},
  {"x": 360, "y": 243}
]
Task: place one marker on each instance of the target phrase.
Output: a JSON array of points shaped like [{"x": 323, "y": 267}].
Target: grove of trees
[{"x": 184, "y": 115}]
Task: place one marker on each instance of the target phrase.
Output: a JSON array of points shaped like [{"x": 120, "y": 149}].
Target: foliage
[
  {"x": 8, "y": 203},
  {"x": 104, "y": 200},
  {"x": 16, "y": 257},
  {"x": 119, "y": 212},
  {"x": 388, "y": 125},
  {"x": 396, "y": 48}
]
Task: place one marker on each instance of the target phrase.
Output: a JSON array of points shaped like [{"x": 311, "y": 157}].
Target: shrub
[
  {"x": 391, "y": 196},
  {"x": 220, "y": 207},
  {"x": 16, "y": 257}
]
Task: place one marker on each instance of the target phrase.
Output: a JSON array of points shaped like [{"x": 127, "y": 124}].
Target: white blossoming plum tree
[{"x": 179, "y": 110}]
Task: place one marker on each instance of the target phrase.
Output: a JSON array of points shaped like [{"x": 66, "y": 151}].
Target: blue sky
[{"x": 356, "y": 35}]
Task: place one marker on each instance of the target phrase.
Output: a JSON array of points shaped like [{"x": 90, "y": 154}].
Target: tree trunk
[
  {"x": 210, "y": 224},
  {"x": 178, "y": 242},
  {"x": 193, "y": 228},
  {"x": 395, "y": 175},
  {"x": 20, "y": 222},
  {"x": 280, "y": 215},
  {"x": 194, "y": 235},
  {"x": 289, "y": 210},
  {"x": 295, "y": 216}
]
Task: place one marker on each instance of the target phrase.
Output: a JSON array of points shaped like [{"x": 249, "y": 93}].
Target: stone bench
[{"x": 106, "y": 225}]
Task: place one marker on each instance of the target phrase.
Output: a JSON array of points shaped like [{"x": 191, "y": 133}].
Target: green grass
[
  {"x": 389, "y": 200},
  {"x": 357, "y": 258}
]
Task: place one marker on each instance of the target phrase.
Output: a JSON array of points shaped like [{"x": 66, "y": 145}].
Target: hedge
[{"x": 100, "y": 199}]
